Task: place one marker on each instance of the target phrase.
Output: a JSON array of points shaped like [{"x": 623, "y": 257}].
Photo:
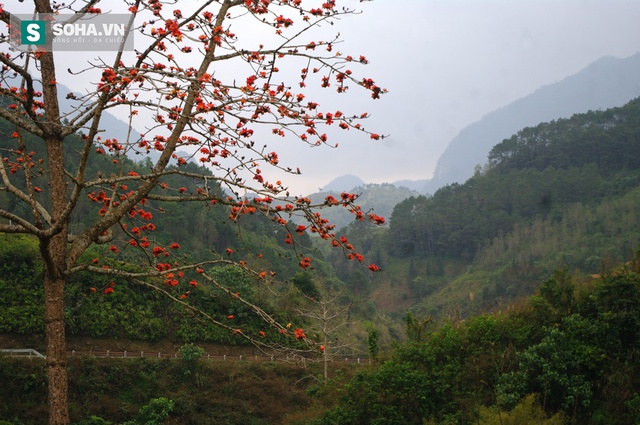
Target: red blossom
[
  {"x": 305, "y": 262},
  {"x": 299, "y": 334},
  {"x": 376, "y": 219}
]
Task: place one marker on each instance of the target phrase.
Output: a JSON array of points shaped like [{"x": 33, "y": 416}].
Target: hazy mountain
[
  {"x": 605, "y": 83},
  {"x": 379, "y": 198},
  {"x": 112, "y": 127},
  {"x": 348, "y": 182},
  {"x": 343, "y": 183},
  {"x": 416, "y": 185}
]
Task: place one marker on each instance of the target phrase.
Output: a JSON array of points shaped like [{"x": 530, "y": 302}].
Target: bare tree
[
  {"x": 203, "y": 89},
  {"x": 328, "y": 317}
]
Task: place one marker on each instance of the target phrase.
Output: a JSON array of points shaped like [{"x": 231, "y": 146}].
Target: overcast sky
[{"x": 446, "y": 63}]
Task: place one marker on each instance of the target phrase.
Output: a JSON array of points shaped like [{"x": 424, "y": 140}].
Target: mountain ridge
[{"x": 605, "y": 83}]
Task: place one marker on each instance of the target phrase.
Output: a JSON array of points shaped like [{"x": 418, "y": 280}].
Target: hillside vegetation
[
  {"x": 566, "y": 355},
  {"x": 111, "y": 307},
  {"x": 515, "y": 293},
  {"x": 150, "y": 391},
  {"x": 569, "y": 354},
  {"x": 561, "y": 194}
]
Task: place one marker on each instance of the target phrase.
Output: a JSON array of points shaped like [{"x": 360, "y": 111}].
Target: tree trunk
[
  {"x": 54, "y": 252},
  {"x": 325, "y": 360},
  {"x": 54, "y": 249},
  {"x": 56, "y": 350}
]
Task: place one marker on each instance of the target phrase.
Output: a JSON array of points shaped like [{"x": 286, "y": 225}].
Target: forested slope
[
  {"x": 563, "y": 193},
  {"x": 566, "y": 355},
  {"x": 112, "y": 307}
]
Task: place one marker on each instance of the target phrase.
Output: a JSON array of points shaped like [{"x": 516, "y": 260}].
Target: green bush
[
  {"x": 527, "y": 412},
  {"x": 190, "y": 353},
  {"x": 153, "y": 413},
  {"x": 93, "y": 420},
  {"x": 190, "y": 356}
]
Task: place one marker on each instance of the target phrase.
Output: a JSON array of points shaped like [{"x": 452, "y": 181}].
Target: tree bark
[
  {"x": 54, "y": 249},
  {"x": 54, "y": 253},
  {"x": 325, "y": 360},
  {"x": 56, "y": 350}
]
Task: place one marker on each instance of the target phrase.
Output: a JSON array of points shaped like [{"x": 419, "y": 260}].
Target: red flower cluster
[{"x": 299, "y": 334}]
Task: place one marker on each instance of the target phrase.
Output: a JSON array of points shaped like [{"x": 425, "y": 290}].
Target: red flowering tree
[{"x": 200, "y": 87}]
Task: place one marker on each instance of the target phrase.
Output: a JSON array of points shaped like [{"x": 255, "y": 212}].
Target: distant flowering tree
[{"x": 208, "y": 78}]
